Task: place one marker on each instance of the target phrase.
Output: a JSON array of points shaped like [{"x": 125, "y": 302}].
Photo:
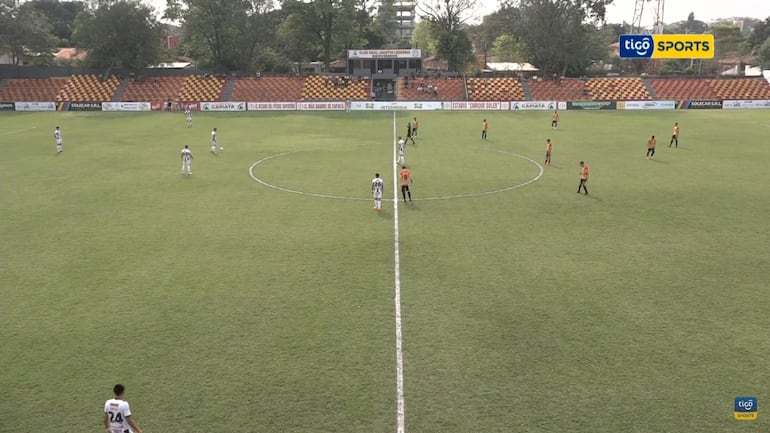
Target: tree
[
  {"x": 224, "y": 34},
  {"x": 446, "y": 19},
  {"x": 25, "y": 33},
  {"x": 123, "y": 34},
  {"x": 763, "y": 53},
  {"x": 507, "y": 48},
  {"x": 423, "y": 38},
  {"x": 759, "y": 34},
  {"x": 298, "y": 34},
  {"x": 62, "y": 17},
  {"x": 561, "y": 35}
]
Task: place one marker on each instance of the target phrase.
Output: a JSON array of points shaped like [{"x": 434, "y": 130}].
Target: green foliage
[
  {"x": 123, "y": 34},
  {"x": 424, "y": 39},
  {"x": 25, "y": 33},
  {"x": 728, "y": 40},
  {"x": 507, "y": 48},
  {"x": 446, "y": 19},
  {"x": 61, "y": 15},
  {"x": 223, "y": 34},
  {"x": 763, "y": 53},
  {"x": 455, "y": 47},
  {"x": 759, "y": 34},
  {"x": 558, "y": 36}
]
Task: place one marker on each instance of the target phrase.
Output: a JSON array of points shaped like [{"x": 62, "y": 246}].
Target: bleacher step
[
  {"x": 120, "y": 90},
  {"x": 227, "y": 91},
  {"x": 526, "y": 89},
  {"x": 650, "y": 89}
]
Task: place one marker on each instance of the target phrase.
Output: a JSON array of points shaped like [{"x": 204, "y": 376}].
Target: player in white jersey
[
  {"x": 186, "y": 159},
  {"x": 377, "y": 187},
  {"x": 214, "y": 141},
  {"x": 188, "y": 117},
  {"x": 401, "y": 150},
  {"x": 57, "y": 137},
  {"x": 117, "y": 414}
]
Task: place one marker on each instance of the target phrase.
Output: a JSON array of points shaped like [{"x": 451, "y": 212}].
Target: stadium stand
[
  {"x": 154, "y": 89},
  {"x": 418, "y": 89},
  {"x": 325, "y": 88},
  {"x": 88, "y": 87},
  {"x": 268, "y": 89},
  {"x": 39, "y": 90},
  {"x": 197, "y": 88},
  {"x": 676, "y": 88},
  {"x": 620, "y": 89},
  {"x": 748, "y": 88},
  {"x": 566, "y": 89},
  {"x": 495, "y": 89}
]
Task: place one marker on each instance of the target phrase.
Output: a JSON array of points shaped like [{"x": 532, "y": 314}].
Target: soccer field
[{"x": 257, "y": 295}]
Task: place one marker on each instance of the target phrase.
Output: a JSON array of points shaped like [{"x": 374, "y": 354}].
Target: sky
[{"x": 675, "y": 10}]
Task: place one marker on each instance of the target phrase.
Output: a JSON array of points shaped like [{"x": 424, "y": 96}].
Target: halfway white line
[
  {"x": 445, "y": 197},
  {"x": 400, "y": 411},
  {"x": 16, "y": 131}
]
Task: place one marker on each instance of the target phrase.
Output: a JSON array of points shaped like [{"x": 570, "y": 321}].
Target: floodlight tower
[{"x": 657, "y": 6}]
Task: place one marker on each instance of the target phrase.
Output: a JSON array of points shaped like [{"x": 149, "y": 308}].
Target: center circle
[{"x": 438, "y": 197}]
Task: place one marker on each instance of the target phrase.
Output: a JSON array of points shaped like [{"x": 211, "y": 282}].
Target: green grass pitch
[{"x": 226, "y": 306}]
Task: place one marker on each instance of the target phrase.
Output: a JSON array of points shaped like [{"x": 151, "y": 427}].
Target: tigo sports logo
[
  {"x": 745, "y": 408},
  {"x": 666, "y": 46}
]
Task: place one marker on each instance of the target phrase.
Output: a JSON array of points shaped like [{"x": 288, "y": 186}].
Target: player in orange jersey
[
  {"x": 651, "y": 147},
  {"x": 484, "y": 128},
  {"x": 548, "y": 149},
  {"x": 555, "y": 120},
  {"x": 675, "y": 136},
  {"x": 405, "y": 179},
  {"x": 583, "y": 177}
]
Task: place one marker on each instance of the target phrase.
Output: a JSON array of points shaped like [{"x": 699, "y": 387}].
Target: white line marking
[
  {"x": 445, "y": 197},
  {"x": 400, "y": 411},
  {"x": 16, "y": 131}
]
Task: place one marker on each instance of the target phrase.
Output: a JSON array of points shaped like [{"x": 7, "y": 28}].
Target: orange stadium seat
[
  {"x": 89, "y": 88},
  {"x": 154, "y": 89},
  {"x": 742, "y": 88},
  {"x": 620, "y": 89},
  {"x": 325, "y": 88},
  {"x": 440, "y": 89},
  {"x": 677, "y": 88},
  {"x": 268, "y": 89},
  {"x": 197, "y": 88},
  {"x": 39, "y": 90},
  {"x": 495, "y": 89},
  {"x": 566, "y": 89}
]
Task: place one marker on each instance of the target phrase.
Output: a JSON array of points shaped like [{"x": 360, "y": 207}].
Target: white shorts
[
  {"x": 58, "y": 142},
  {"x": 377, "y": 195},
  {"x": 213, "y": 147}
]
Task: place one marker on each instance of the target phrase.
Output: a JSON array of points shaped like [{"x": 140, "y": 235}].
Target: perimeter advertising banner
[
  {"x": 733, "y": 104},
  {"x": 223, "y": 106},
  {"x": 395, "y": 105},
  {"x": 477, "y": 105},
  {"x": 35, "y": 106},
  {"x": 6, "y": 106},
  {"x": 534, "y": 105},
  {"x": 80, "y": 106},
  {"x": 126, "y": 106},
  {"x": 271, "y": 106},
  {"x": 322, "y": 106},
  {"x": 592, "y": 105},
  {"x": 694, "y": 104},
  {"x": 646, "y": 105}
]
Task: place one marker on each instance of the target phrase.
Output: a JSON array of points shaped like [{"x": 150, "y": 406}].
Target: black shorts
[
  {"x": 548, "y": 154},
  {"x": 554, "y": 122},
  {"x": 674, "y": 137},
  {"x": 404, "y": 188}
]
